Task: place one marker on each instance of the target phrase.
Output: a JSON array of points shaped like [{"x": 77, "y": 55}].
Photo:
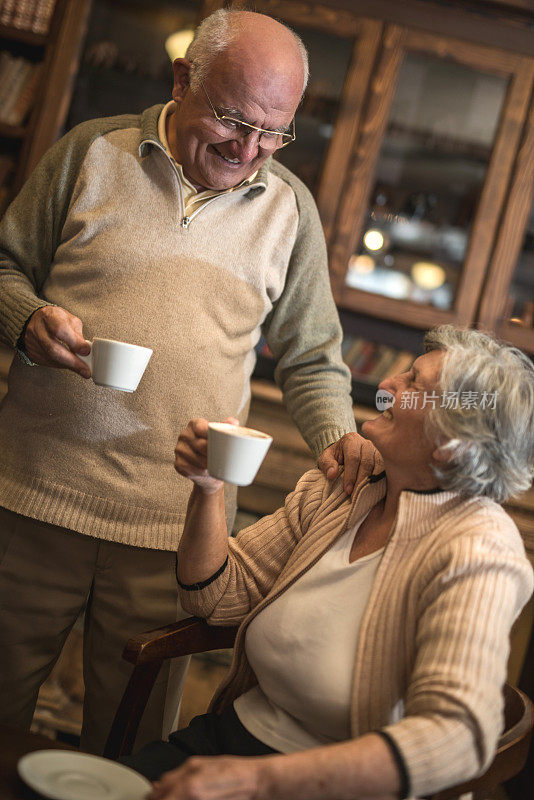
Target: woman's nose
[{"x": 388, "y": 384}]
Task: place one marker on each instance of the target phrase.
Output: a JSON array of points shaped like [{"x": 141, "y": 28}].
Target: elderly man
[{"x": 174, "y": 230}]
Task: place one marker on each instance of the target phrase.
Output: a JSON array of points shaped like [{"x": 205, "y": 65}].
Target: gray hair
[
  {"x": 215, "y": 34},
  {"x": 491, "y": 444}
]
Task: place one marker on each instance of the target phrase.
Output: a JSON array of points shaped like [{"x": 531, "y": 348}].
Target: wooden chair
[{"x": 148, "y": 651}]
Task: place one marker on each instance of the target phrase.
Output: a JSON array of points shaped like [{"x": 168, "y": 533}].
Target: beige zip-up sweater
[
  {"x": 434, "y": 640},
  {"x": 100, "y": 229}
]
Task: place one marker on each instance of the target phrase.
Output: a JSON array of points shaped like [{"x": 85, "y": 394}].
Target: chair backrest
[
  {"x": 512, "y": 749},
  {"x": 148, "y": 651}
]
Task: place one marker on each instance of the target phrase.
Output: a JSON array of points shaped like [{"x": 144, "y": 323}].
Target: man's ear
[{"x": 181, "y": 69}]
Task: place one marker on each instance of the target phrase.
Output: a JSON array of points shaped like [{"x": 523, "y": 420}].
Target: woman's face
[{"x": 399, "y": 432}]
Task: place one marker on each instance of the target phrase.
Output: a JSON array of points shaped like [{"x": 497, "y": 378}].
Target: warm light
[
  {"x": 362, "y": 264},
  {"x": 373, "y": 240},
  {"x": 516, "y": 321},
  {"x": 177, "y": 43},
  {"x": 428, "y": 275}
]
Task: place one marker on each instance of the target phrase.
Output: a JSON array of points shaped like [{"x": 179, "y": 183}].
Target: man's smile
[{"x": 232, "y": 161}]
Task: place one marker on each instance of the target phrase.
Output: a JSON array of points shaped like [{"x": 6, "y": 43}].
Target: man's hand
[
  {"x": 191, "y": 455},
  {"x": 210, "y": 778},
  {"x": 352, "y": 450},
  {"x": 53, "y": 337}
]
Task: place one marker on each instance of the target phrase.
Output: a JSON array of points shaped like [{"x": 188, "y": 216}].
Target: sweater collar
[
  {"x": 149, "y": 139},
  {"x": 418, "y": 511}
]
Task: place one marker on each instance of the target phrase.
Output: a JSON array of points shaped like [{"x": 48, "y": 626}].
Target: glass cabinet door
[
  {"x": 342, "y": 48},
  {"x": 430, "y": 173},
  {"x": 430, "y": 176},
  {"x": 520, "y": 305},
  {"x": 125, "y": 65},
  {"x": 329, "y": 59},
  {"x": 508, "y": 301}
]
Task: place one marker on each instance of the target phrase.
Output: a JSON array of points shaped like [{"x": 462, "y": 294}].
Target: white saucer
[{"x": 66, "y": 775}]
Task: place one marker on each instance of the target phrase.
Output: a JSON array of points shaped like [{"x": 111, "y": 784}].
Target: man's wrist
[
  {"x": 21, "y": 345},
  {"x": 24, "y": 357}
]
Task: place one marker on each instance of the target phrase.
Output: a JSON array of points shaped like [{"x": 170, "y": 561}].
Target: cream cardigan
[{"x": 434, "y": 640}]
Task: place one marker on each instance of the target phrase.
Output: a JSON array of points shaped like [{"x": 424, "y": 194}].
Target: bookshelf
[{"x": 40, "y": 42}]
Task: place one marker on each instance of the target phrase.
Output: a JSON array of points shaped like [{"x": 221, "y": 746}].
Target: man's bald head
[
  {"x": 252, "y": 43},
  {"x": 236, "y": 90}
]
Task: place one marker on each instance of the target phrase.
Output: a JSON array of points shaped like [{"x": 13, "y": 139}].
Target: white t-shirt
[{"x": 302, "y": 649}]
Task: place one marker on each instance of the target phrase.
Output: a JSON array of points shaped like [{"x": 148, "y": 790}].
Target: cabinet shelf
[
  {"x": 23, "y": 36},
  {"x": 12, "y": 131}
]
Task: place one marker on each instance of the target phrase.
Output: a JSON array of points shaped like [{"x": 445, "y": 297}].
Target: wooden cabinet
[
  {"x": 424, "y": 180},
  {"x": 55, "y": 51},
  {"x": 429, "y": 178}
]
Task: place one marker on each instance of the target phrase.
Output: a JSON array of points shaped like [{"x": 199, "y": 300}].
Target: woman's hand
[
  {"x": 191, "y": 455},
  {"x": 211, "y": 778}
]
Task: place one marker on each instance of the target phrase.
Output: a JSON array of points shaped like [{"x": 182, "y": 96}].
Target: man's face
[{"x": 210, "y": 157}]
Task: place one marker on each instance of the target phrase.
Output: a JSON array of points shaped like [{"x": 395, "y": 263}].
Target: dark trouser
[
  {"x": 206, "y": 735},
  {"x": 47, "y": 573}
]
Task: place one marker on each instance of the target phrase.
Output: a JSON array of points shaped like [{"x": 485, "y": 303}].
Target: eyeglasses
[{"x": 269, "y": 140}]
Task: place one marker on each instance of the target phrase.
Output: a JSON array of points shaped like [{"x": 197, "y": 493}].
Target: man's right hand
[{"x": 51, "y": 328}]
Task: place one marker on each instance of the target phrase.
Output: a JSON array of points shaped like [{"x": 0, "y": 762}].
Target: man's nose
[{"x": 246, "y": 147}]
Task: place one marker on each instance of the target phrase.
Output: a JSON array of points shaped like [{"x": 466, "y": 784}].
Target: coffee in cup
[
  {"x": 117, "y": 365},
  {"x": 235, "y": 453}
]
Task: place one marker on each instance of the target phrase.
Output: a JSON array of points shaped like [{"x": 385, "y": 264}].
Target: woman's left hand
[{"x": 210, "y": 778}]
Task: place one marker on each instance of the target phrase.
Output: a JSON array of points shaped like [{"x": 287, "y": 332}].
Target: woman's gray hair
[
  {"x": 215, "y": 34},
  {"x": 488, "y": 424}
]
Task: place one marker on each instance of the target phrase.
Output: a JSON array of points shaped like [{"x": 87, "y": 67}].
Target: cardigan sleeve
[
  {"x": 257, "y": 556},
  {"x": 453, "y": 710}
]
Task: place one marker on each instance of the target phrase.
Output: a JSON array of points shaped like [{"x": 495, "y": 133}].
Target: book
[
  {"x": 12, "y": 69},
  {"x": 402, "y": 363},
  {"x": 22, "y": 17},
  {"x": 362, "y": 363},
  {"x": 7, "y": 12},
  {"x": 42, "y": 15},
  {"x": 351, "y": 350},
  {"x": 26, "y": 96},
  {"x": 18, "y": 75},
  {"x": 385, "y": 358}
]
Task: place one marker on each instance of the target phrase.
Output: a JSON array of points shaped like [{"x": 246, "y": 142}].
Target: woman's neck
[{"x": 399, "y": 481}]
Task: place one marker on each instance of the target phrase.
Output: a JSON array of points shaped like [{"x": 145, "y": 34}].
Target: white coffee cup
[
  {"x": 235, "y": 453},
  {"x": 117, "y": 365}
]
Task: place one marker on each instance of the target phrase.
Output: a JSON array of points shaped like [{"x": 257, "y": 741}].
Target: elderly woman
[{"x": 374, "y": 630}]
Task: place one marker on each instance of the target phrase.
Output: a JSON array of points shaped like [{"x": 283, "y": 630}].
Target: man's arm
[
  {"x": 304, "y": 334},
  {"x": 30, "y": 232}
]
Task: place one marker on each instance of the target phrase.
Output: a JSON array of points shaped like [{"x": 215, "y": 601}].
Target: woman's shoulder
[{"x": 482, "y": 517}]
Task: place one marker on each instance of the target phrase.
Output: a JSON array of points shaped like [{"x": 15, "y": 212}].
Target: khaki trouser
[{"x": 47, "y": 575}]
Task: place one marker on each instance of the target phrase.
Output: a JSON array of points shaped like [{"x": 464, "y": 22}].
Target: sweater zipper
[{"x": 186, "y": 219}]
